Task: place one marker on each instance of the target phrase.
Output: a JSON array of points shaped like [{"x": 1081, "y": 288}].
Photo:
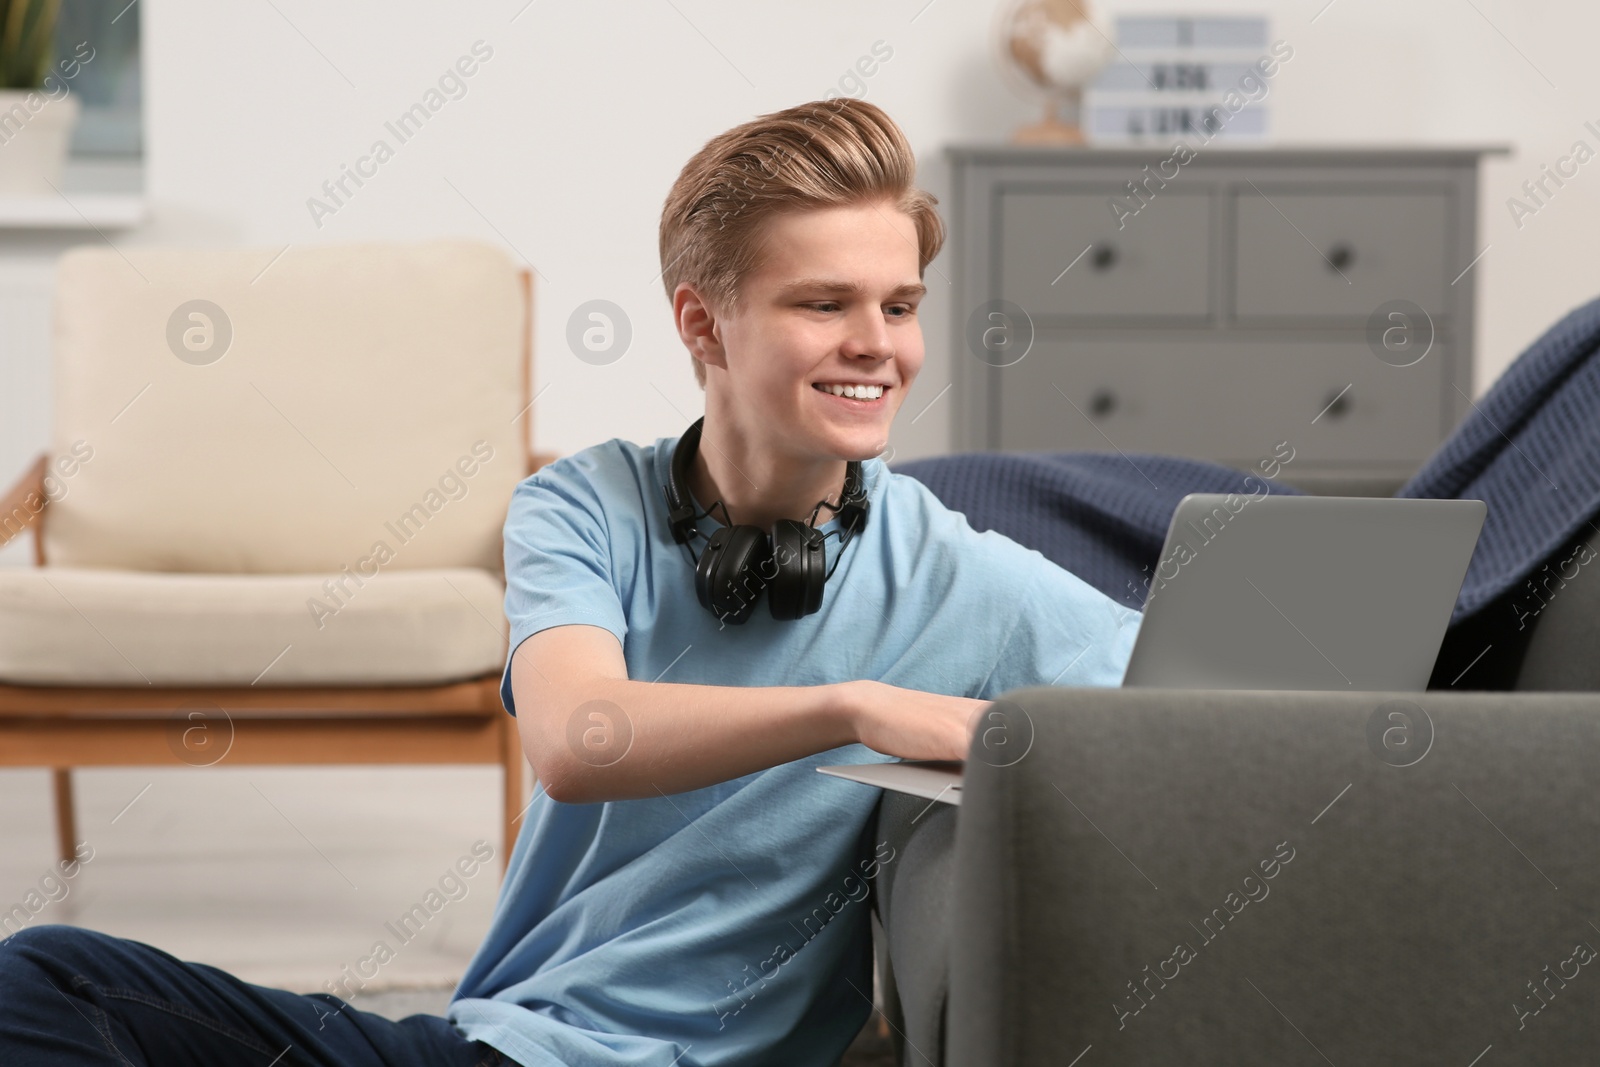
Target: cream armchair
[{"x": 268, "y": 527}]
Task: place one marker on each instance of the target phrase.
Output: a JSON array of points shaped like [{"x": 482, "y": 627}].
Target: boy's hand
[{"x": 909, "y": 723}]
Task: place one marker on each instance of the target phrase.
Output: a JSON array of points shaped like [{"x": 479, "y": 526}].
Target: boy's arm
[{"x": 592, "y": 734}]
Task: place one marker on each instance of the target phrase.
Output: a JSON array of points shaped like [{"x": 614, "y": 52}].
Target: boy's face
[{"x": 834, "y": 302}]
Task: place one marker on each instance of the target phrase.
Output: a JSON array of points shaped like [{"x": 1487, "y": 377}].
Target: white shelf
[
  {"x": 72, "y": 211},
  {"x": 95, "y": 193}
]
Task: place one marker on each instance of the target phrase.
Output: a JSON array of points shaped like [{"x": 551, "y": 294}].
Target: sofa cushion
[
  {"x": 87, "y": 627},
  {"x": 1560, "y": 602},
  {"x": 241, "y": 411}
]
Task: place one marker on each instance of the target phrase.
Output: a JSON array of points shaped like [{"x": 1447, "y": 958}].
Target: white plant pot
[{"x": 35, "y": 131}]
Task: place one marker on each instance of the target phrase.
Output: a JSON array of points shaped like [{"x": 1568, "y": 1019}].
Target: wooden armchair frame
[{"x": 64, "y": 727}]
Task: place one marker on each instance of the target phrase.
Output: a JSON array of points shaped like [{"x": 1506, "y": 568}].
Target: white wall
[{"x": 568, "y": 138}]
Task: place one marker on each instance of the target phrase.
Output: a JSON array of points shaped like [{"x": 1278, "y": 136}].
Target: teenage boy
[{"x": 696, "y": 626}]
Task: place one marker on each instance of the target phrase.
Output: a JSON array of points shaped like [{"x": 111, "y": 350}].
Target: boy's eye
[{"x": 830, "y": 306}]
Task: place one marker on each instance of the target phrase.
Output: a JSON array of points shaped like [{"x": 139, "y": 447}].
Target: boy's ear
[{"x": 698, "y": 326}]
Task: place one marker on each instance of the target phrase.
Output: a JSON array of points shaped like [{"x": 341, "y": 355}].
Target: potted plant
[{"x": 37, "y": 111}]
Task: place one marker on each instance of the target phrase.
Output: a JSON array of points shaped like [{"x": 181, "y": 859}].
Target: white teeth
[{"x": 858, "y": 392}]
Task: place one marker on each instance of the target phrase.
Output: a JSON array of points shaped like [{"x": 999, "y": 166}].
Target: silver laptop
[{"x": 1280, "y": 592}]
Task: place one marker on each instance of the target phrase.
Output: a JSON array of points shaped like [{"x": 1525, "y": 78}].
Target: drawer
[
  {"x": 1156, "y": 267},
  {"x": 1229, "y": 402},
  {"x": 1337, "y": 255}
]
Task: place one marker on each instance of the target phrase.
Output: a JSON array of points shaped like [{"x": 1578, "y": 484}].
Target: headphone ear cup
[
  {"x": 800, "y": 554},
  {"x": 729, "y": 575}
]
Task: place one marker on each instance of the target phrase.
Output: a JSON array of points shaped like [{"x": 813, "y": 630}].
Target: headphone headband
[
  {"x": 853, "y": 502},
  {"x": 680, "y": 506}
]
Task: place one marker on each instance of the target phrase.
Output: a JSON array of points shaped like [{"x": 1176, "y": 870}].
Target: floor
[{"x": 319, "y": 859}]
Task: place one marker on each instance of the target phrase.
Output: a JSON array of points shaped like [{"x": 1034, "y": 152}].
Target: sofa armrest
[
  {"x": 1259, "y": 877},
  {"x": 24, "y": 503}
]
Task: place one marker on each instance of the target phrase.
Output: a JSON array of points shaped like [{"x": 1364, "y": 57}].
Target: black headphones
[{"x": 739, "y": 561}]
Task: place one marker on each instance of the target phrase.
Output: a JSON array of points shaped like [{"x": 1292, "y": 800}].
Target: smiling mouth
[{"x": 862, "y": 394}]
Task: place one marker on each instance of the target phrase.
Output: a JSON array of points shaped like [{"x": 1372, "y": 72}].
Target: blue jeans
[{"x": 71, "y": 997}]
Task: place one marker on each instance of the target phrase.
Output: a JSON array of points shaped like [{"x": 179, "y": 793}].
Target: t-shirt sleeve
[
  {"x": 558, "y": 559},
  {"x": 1066, "y": 633}
]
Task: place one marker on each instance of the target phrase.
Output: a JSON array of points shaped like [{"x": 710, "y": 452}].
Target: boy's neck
[{"x": 757, "y": 487}]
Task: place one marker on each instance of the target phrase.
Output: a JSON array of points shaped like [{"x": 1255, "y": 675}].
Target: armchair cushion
[
  {"x": 323, "y": 400},
  {"x": 88, "y": 627}
]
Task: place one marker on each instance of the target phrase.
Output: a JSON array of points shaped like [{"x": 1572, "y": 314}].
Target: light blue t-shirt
[{"x": 728, "y": 925}]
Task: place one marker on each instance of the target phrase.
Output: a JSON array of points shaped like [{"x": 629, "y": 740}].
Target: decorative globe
[{"x": 1059, "y": 46}]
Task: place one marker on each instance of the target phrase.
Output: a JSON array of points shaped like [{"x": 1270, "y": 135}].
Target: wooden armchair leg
[
  {"x": 66, "y": 818},
  {"x": 511, "y": 762}
]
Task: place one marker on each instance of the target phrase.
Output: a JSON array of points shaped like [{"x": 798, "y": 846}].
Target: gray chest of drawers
[{"x": 1217, "y": 306}]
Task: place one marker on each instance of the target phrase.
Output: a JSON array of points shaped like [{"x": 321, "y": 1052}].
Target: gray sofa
[{"x": 1190, "y": 877}]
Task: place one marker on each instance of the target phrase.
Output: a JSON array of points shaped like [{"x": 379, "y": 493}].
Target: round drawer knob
[
  {"x": 1104, "y": 257},
  {"x": 1102, "y": 403},
  {"x": 1340, "y": 256}
]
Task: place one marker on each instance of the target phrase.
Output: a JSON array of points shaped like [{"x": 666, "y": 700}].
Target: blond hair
[{"x": 826, "y": 153}]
